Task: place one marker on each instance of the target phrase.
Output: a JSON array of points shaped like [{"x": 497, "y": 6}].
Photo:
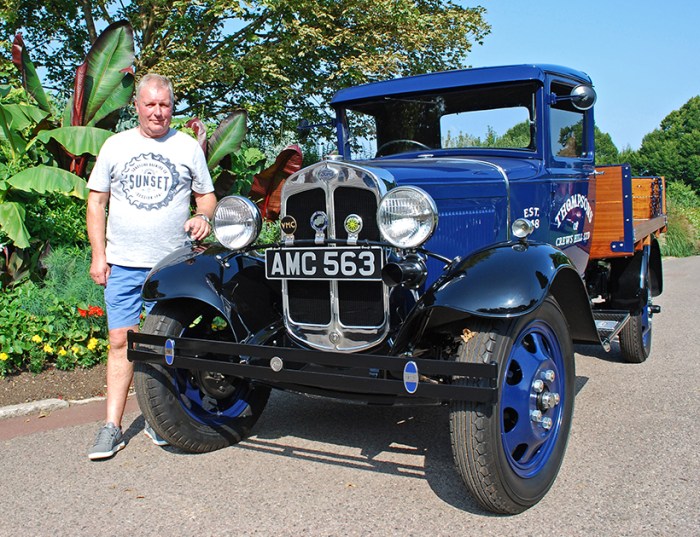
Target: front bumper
[{"x": 325, "y": 373}]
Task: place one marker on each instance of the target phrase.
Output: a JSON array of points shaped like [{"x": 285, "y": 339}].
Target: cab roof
[{"x": 455, "y": 79}]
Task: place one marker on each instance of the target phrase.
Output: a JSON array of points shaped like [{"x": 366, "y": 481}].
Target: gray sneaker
[
  {"x": 154, "y": 436},
  {"x": 109, "y": 440}
]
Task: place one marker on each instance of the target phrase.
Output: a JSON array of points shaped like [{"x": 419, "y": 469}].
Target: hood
[{"x": 446, "y": 177}]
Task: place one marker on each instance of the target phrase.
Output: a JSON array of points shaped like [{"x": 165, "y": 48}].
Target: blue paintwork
[{"x": 454, "y": 79}]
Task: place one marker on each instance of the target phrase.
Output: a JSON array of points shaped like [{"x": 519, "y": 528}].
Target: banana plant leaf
[
  {"x": 30, "y": 79},
  {"x": 267, "y": 185},
  {"x": 25, "y": 115},
  {"x": 43, "y": 179},
  {"x": 99, "y": 83},
  {"x": 12, "y": 223},
  {"x": 239, "y": 172},
  {"x": 227, "y": 138},
  {"x": 17, "y": 144},
  {"x": 200, "y": 130},
  {"x": 77, "y": 140},
  {"x": 119, "y": 98}
]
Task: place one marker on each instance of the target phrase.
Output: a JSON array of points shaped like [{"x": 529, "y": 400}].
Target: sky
[{"x": 643, "y": 56}]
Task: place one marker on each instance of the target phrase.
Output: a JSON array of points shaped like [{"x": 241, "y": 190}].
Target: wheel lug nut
[
  {"x": 546, "y": 423},
  {"x": 538, "y": 385},
  {"x": 550, "y": 400},
  {"x": 536, "y": 416},
  {"x": 549, "y": 375}
]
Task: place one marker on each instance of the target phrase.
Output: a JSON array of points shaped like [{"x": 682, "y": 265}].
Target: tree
[
  {"x": 605, "y": 150},
  {"x": 673, "y": 150},
  {"x": 279, "y": 59}
]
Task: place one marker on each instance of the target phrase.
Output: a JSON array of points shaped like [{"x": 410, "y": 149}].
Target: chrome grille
[{"x": 337, "y": 315}]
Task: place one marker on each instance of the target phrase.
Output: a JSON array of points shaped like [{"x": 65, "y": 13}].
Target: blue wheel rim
[
  {"x": 204, "y": 408},
  {"x": 646, "y": 326},
  {"x": 535, "y": 356},
  {"x": 199, "y": 404}
]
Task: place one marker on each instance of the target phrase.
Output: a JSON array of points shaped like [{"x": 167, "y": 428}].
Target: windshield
[{"x": 486, "y": 117}]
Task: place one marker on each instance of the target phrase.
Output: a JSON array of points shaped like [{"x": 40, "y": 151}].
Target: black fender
[
  {"x": 504, "y": 281},
  {"x": 233, "y": 284},
  {"x": 628, "y": 277}
]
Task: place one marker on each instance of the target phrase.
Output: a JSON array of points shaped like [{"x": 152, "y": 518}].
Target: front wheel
[
  {"x": 509, "y": 453},
  {"x": 197, "y": 411}
]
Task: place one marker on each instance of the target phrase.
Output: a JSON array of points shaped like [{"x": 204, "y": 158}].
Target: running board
[{"x": 609, "y": 323}]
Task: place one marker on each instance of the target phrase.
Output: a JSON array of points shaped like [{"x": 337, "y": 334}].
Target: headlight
[
  {"x": 407, "y": 217},
  {"x": 237, "y": 222}
]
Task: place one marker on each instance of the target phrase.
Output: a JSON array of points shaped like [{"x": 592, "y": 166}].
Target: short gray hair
[{"x": 157, "y": 80}]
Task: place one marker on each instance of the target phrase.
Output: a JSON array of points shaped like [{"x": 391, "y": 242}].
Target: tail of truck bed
[{"x": 629, "y": 211}]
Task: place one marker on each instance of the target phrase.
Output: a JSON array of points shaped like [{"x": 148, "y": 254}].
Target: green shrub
[
  {"x": 68, "y": 277},
  {"x": 58, "y": 219},
  {"x": 683, "y": 236}
]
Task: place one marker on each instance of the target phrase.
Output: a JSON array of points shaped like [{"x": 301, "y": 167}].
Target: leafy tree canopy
[
  {"x": 605, "y": 150},
  {"x": 279, "y": 59},
  {"x": 673, "y": 150}
]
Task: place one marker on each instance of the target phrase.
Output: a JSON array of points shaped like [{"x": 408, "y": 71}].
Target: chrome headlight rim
[
  {"x": 237, "y": 222},
  {"x": 522, "y": 228},
  {"x": 425, "y": 217}
]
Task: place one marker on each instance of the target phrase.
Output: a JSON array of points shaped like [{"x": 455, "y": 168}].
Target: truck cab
[{"x": 489, "y": 145}]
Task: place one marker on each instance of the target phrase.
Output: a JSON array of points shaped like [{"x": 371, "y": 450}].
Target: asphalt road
[{"x": 315, "y": 467}]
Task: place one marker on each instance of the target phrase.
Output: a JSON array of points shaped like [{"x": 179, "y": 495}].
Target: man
[{"x": 146, "y": 177}]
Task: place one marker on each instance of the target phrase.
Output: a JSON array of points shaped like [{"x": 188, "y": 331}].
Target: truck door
[{"x": 570, "y": 163}]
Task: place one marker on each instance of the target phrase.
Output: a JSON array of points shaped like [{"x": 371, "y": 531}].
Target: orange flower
[
  {"x": 92, "y": 311},
  {"x": 95, "y": 311}
]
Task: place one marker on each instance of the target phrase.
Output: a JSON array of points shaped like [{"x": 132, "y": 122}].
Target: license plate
[{"x": 324, "y": 264}]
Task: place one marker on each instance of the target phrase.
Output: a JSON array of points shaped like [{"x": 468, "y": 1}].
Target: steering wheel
[{"x": 398, "y": 141}]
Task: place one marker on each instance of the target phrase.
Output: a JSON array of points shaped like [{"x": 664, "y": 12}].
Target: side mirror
[
  {"x": 304, "y": 128},
  {"x": 583, "y": 97}
]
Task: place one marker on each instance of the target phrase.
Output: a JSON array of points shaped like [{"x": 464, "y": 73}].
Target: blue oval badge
[
  {"x": 169, "y": 351},
  {"x": 410, "y": 377}
]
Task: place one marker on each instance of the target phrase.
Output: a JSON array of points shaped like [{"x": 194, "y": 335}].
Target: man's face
[{"x": 155, "y": 110}]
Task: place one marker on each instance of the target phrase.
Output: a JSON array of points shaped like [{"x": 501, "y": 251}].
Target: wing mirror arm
[
  {"x": 304, "y": 128},
  {"x": 582, "y": 97}
]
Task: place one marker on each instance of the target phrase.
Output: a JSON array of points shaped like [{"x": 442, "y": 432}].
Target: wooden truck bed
[{"x": 628, "y": 211}]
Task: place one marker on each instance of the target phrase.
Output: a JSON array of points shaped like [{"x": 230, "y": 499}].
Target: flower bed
[{"x": 59, "y": 322}]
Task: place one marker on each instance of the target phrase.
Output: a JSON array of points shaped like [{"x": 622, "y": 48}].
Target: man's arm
[
  {"x": 198, "y": 227},
  {"x": 96, "y": 219}
]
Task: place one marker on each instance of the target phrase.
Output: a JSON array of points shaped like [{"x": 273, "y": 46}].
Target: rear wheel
[
  {"x": 196, "y": 411},
  {"x": 635, "y": 336},
  {"x": 509, "y": 453}
]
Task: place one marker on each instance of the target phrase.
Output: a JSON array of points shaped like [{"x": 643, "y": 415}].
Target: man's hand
[
  {"x": 99, "y": 270},
  {"x": 198, "y": 227}
]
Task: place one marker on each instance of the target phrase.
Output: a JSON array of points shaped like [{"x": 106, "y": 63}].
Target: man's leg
[
  {"x": 124, "y": 305},
  {"x": 120, "y": 373}
]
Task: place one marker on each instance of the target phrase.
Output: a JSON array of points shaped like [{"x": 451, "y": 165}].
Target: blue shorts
[{"x": 123, "y": 296}]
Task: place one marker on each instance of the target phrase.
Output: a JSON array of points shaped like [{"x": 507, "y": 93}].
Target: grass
[{"x": 683, "y": 236}]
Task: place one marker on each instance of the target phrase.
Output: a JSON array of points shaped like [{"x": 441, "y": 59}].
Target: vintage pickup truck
[{"x": 452, "y": 251}]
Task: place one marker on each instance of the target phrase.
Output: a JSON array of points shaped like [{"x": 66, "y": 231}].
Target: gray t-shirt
[{"x": 150, "y": 181}]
